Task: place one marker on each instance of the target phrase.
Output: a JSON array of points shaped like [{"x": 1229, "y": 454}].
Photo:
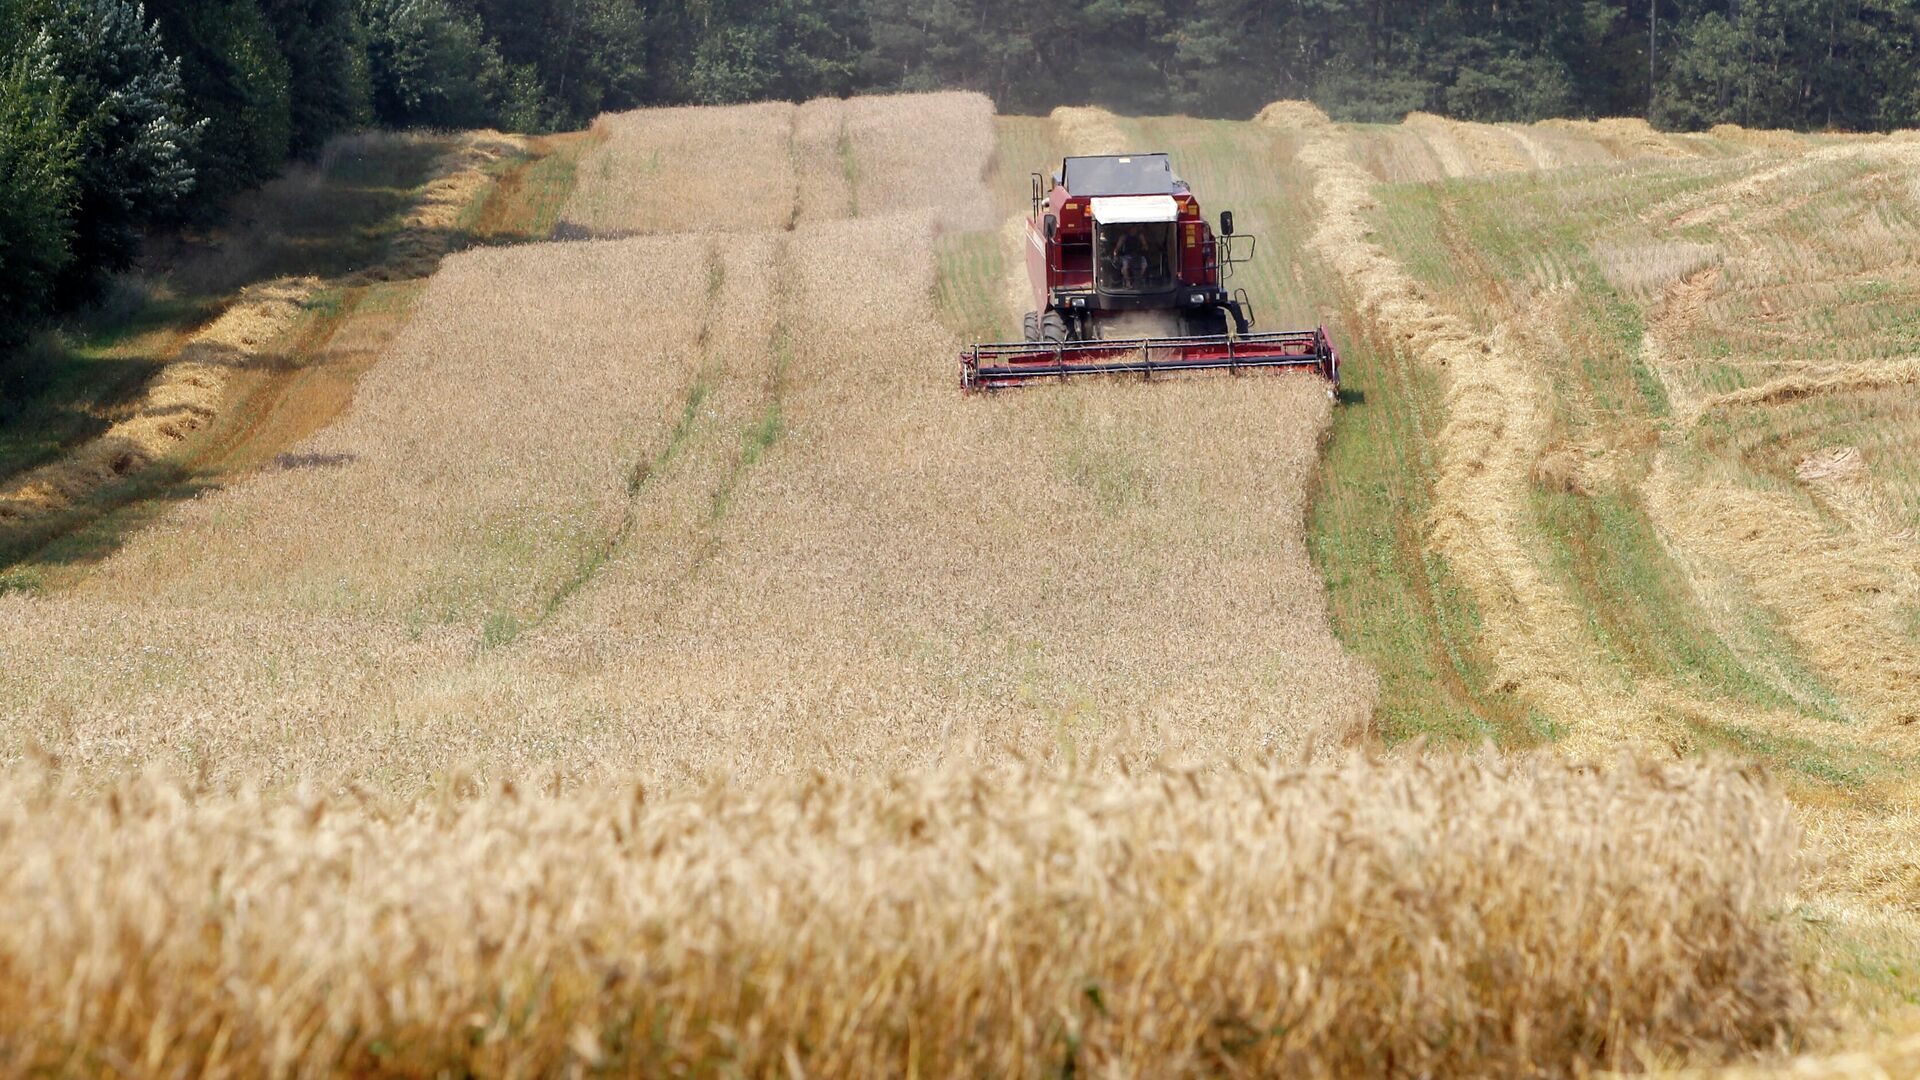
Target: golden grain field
[
  {"x": 702, "y": 504},
  {"x": 686, "y": 170},
  {"x": 661, "y": 667},
  {"x": 774, "y": 165}
]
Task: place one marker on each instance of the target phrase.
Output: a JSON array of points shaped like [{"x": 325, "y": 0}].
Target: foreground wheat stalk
[{"x": 1422, "y": 917}]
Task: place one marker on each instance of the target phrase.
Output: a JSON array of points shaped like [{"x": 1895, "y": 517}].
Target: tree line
[{"x": 116, "y": 116}]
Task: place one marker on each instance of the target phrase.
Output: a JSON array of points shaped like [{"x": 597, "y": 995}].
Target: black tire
[
  {"x": 1053, "y": 328},
  {"x": 1207, "y": 323},
  {"x": 1030, "y": 326}
]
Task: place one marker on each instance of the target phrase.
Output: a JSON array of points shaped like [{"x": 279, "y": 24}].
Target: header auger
[{"x": 1116, "y": 246}]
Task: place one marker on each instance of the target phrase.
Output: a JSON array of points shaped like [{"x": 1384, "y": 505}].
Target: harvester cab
[{"x": 1128, "y": 277}]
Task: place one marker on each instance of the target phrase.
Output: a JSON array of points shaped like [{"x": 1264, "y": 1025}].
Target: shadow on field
[
  {"x": 332, "y": 218},
  {"x": 67, "y": 387},
  {"x": 344, "y": 220},
  {"x": 40, "y": 416},
  {"x": 93, "y": 528},
  {"x": 326, "y": 220}
]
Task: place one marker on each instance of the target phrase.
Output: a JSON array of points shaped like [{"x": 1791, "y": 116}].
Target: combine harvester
[{"x": 1115, "y": 245}]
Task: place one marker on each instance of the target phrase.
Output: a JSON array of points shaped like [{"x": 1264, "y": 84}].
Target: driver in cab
[{"x": 1130, "y": 256}]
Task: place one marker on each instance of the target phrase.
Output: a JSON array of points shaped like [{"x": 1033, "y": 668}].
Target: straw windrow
[
  {"x": 1494, "y": 432},
  {"x": 1844, "y": 597}
]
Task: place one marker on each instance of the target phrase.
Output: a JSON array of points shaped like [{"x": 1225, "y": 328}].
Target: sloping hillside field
[{"x": 662, "y": 668}]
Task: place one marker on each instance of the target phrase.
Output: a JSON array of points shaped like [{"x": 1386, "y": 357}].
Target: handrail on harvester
[{"x": 988, "y": 367}]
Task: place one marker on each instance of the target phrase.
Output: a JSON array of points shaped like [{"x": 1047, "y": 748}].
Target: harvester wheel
[
  {"x": 1053, "y": 328},
  {"x": 1207, "y": 324},
  {"x": 1030, "y": 326}
]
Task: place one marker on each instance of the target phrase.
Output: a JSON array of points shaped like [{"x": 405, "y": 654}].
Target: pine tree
[
  {"x": 233, "y": 73},
  {"x": 125, "y": 104},
  {"x": 327, "y": 83},
  {"x": 38, "y": 167}
]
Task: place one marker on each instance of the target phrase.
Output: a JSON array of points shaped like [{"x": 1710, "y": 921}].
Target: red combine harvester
[{"x": 1129, "y": 278}]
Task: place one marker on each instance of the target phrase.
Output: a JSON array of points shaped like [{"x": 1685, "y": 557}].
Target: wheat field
[
  {"x": 697, "y": 504},
  {"x": 667, "y": 170},
  {"x": 662, "y": 667}
]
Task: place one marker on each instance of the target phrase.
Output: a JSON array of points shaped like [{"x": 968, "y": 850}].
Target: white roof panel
[{"x": 1129, "y": 209}]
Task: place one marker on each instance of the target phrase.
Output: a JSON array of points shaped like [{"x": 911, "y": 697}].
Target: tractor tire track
[
  {"x": 678, "y": 498},
  {"x": 643, "y": 474}
]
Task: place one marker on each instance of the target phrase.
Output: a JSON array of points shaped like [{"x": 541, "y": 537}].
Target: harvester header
[{"x": 1129, "y": 277}]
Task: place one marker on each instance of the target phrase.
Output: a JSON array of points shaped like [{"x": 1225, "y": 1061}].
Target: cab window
[{"x": 1136, "y": 257}]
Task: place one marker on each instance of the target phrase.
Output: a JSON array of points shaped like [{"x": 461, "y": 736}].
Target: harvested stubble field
[
  {"x": 1667, "y": 443},
  {"x": 880, "y": 730}
]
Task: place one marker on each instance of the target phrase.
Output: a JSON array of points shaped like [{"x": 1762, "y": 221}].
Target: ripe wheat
[
  {"x": 479, "y": 465},
  {"x": 774, "y": 165},
  {"x": 684, "y": 170},
  {"x": 1087, "y": 130},
  {"x": 718, "y": 505},
  {"x": 1432, "y": 917}
]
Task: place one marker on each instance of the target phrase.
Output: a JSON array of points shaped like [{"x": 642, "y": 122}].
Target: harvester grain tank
[{"x": 1116, "y": 244}]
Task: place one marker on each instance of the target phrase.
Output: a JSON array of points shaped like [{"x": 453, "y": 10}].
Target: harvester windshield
[{"x": 1134, "y": 174}]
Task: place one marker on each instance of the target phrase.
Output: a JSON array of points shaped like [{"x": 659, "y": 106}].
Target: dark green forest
[{"x": 116, "y": 117}]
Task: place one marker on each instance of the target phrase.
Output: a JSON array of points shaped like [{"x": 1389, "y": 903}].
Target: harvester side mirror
[
  {"x": 1226, "y": 223},
  {"x": 1051, "y": 224}
]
